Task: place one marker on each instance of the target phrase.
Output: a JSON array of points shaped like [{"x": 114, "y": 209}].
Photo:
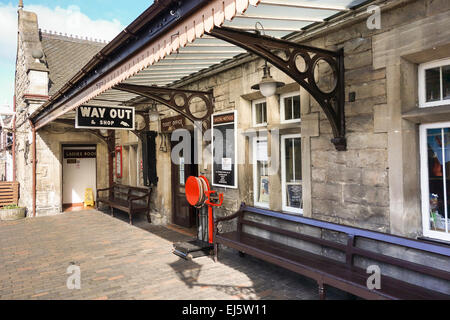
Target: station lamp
[{"x": 268, "y": 86}]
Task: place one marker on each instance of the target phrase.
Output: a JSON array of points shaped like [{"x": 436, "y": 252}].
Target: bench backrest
[
  {"x": 352, "y": 234},
  {"x": 125, "y": 192}
]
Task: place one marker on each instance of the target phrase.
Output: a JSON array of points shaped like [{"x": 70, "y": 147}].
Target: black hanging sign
[{"x": 90, "y": 117}]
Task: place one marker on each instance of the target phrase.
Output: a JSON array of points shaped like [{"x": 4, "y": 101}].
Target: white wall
[{"x": 78, "y": 177}]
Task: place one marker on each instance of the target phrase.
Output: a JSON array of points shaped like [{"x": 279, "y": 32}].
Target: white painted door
[{"x": 78, "y": 175}]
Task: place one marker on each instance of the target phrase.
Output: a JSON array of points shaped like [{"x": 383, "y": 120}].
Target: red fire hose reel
[{"x": 198, "y": 194}]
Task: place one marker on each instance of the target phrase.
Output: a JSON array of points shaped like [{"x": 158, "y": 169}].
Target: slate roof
[{"x": 65, "y": 56}]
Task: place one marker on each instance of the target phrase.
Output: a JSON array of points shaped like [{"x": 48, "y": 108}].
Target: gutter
[{"x": 33, "y": 153}]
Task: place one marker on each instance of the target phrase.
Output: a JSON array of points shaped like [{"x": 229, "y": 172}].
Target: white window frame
[
  {"x": 427, "y": 232},
  {"x": 422, "y": 83},
  {"x": 285, "y": 207},
  {"x": 254, "y": 103},
  {"x": 282, "y": 112},
  {"x": 256, "y": 183}
]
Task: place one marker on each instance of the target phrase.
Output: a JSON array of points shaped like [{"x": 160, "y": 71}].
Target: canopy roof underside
[{"x": 187, "y": 49}]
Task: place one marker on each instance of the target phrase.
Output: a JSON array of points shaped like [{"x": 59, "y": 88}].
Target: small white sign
[
  {"x": 226, "y": 164},
  {"x": 261, "y": 151}
]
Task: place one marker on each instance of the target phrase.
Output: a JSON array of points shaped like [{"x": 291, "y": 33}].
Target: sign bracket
[{"x": 178, "y": 100}]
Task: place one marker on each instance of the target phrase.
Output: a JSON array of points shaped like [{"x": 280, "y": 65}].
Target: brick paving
[{"x": 119, "y": 261}]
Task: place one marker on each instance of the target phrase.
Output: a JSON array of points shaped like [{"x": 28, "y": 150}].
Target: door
[
  {"x": 183, "y": 214},
  {"x": 79, "y": 173}
]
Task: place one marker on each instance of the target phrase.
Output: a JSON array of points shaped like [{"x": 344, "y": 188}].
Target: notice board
[{"x": 224, "y": 149}]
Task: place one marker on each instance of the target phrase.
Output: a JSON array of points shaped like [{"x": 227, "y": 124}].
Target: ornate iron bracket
[
  {"x": 146, "y": 117},
  {"x": 175, "y": 95},
  {"x": 332, "y": 102}
]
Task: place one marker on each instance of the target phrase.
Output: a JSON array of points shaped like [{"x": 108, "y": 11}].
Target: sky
[{"x": 97, "y": 19}]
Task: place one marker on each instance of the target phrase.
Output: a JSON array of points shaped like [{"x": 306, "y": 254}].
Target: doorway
[
  {"x": 79, "y": 174},
  {"x": 183, "y": 214}
]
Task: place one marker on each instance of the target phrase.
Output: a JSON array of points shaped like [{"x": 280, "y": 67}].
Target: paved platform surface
[{"x": 119, "y": 261}]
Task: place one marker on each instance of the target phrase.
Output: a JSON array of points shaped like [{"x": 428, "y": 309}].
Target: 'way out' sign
[{"x": 105, "y": 118}]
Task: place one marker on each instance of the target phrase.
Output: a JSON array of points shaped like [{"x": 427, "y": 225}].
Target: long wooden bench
[
  {"x": 130, "y": 199},
  {"x": 344, "y": 275}
]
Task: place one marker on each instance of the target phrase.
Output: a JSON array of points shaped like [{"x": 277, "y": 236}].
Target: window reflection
[{"x": 438, "y": 177}]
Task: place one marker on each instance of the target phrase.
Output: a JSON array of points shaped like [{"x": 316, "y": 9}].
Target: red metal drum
[
  {"x": 193, "y": 193},
  {"x": 198, "y": 193},
  {"x": 196, "y": 188}
]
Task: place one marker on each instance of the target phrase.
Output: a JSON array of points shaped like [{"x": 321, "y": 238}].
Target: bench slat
[
  {"x": 322, "y": 268},
  {"x": 344, "y": 275},
  {"x": 296, "y": 235},
  {"x": 383, "y": 237}
]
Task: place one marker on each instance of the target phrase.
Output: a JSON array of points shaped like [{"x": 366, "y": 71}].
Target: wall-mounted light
[
  {"x": 268, "y": 86},
  {"x": 153, "y": 112}
]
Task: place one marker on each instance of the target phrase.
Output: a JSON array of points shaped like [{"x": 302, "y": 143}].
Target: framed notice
[
  {"x": 264, "y": 196},
  {"x": 119, "y": 162},
  {"x": 224, "y": 160},
  {"x": 295, "y": 195}
]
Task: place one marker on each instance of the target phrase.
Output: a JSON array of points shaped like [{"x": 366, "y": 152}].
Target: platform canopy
[{"x": 170, "y": 42}]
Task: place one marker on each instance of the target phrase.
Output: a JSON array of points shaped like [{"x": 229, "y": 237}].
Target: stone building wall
[
  {"x": 368, "y": 185},
  {"x": 30, "y": 92}
]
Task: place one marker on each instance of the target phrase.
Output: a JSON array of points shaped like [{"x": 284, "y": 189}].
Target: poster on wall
[
  {"x": 119, "y": 162},
  {"x": 295, "y": 195},
  {"x": 224, "y": 150},
  {"x": 264, "y": 196}
]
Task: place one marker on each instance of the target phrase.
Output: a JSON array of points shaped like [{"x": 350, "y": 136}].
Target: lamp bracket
[
  {"x": 332, "y": 102},
  {"x": 146, "y": 117},
  {"x": 178, "y": 100}
]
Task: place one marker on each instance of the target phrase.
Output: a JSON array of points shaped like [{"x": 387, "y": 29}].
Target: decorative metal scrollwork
[
  {"x": 331, "y": 101},
  {"x": 178, "y": 100}
]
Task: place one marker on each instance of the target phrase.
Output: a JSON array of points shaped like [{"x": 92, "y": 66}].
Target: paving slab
[{"x": 118, "y": 261}]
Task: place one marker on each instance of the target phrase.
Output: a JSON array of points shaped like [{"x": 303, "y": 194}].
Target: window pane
[
  {"x": 441, "y": 222},
  {"x": 262, "y": 173},
  {"x": 289, "y": 160},
  {"x": 446, "y": 82},
  {"x": 263, "y": 182},
  {"x": 292, "y": 108},
  {"x": 298, "y": 159},
  {"x": 433, "y": 84},
  {"x": 436, "y": 178},
  {"x": 296, "y": 105},
  {"x": 293, "y": 173},
  {"x": 260, "y": 113},
  {"x": 288, "y": 108}
]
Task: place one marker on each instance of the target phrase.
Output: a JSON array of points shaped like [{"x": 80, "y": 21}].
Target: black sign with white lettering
[
  {"x": 79, "y": 154},
  {"x": 224, "y": 150},
  {"x": 105, "y": 118}
]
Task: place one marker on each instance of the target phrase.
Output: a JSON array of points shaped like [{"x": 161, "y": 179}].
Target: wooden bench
[
  {"x": 129, "y": 199},
  {"x": 325, "y": 270}
]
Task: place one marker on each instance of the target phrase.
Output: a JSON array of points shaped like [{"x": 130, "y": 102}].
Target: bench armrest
[
  {"x": 131, "y": 199},
  {"x": 227, "y": 218},
  {"x": 106, "y": 189}
]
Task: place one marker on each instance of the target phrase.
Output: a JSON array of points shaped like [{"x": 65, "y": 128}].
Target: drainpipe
[
  {"x": 33, "y": 153},
  {"x": 14, "y": 141}
]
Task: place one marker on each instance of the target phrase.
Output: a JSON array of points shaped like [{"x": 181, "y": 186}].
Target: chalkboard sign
[
  {"x": 224, "y": 150},
  {"x": 295, "y": 195}
]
